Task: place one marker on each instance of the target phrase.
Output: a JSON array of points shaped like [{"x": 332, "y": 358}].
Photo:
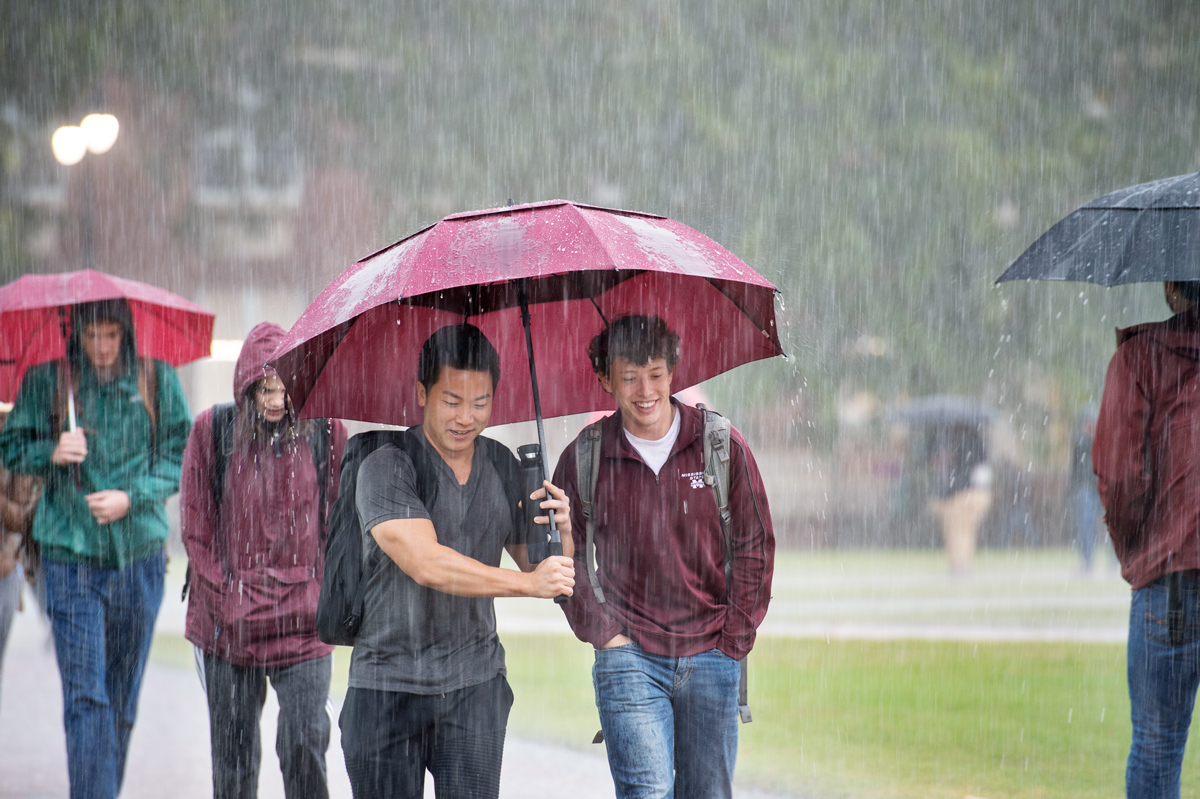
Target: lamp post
[{"x": 96, "y": 134}]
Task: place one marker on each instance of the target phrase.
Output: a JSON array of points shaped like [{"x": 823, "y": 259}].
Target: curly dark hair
[{"x": 636, "y": 338}]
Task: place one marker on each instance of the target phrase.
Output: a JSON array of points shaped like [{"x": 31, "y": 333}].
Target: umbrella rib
[{"x": 736, "y": 304}]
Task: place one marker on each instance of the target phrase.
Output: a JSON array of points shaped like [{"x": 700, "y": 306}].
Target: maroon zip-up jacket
[
  {"x": 660, "y": 549},
  {"x": 1147, "y": 449},
  {"x": 257, "y": 563}
]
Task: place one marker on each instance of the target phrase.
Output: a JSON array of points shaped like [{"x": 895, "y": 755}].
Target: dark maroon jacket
[
  {"x": 1147, "y": 450},
  {"x": 257, "y": 564},
  {"x": 661, "y": 550}
]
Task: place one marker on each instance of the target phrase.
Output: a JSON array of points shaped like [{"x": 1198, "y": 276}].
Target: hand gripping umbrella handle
[{"x": 555, "y": 536}]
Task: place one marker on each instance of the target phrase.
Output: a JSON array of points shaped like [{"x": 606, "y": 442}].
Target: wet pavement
[{"x": 169, "y": 753}]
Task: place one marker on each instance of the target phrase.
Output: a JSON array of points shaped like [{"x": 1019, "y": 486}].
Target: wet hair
[
  {"x": 457, "y": 347},
  {"x": 1189, "y": 290},
  {"x": 251, "y": 426},
  {"x": 638, "y": 339},
  {"x": 89, "y": 313}
]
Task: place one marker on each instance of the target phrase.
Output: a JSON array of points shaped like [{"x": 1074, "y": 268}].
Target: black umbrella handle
[{"x": 523, "y": 299}]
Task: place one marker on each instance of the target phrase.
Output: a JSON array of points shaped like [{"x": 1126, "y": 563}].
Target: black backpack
[
  {"x": 347, "y": 574},
  {"x": 224, "y": 416}
]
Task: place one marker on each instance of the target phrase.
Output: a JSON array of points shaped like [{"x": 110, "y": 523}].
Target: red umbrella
[
  {"x": 353, "y": 352},
  {"x": 35, "y": 320}
]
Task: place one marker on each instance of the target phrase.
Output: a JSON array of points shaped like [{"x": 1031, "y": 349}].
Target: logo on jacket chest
[{"x": 696, "y": 478}]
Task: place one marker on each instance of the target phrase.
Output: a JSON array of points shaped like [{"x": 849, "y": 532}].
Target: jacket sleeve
[
  {"x": 197, "y": 511},
  {"x": 587, "y": 617},
  {"x": 1119, "y": 454},
  {"x": 27, "y": 440},
  {"x": 753, "y": 552},
  {"x": 161, "y": 480}
]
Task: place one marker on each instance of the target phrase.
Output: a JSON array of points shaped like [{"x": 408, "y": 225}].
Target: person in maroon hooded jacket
[
  {"x": 1146, "y": 457},
  {"x": 256, "y": 556},
  {"x": 671, "y": 631}
]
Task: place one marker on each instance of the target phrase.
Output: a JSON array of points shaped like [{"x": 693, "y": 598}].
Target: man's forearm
[{"x": 413, "y": 546}]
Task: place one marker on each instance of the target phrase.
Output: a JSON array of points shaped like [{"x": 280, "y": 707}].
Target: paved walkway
[{"x": 169, "y": 753}]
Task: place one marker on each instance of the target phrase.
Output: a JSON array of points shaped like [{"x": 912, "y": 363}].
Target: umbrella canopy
[
  {"x": 942, "y": 410},
  {"x": 1144, "y": 233},
  {"x": 353, "y": 352},
  {"x": 35, "y": 318}
]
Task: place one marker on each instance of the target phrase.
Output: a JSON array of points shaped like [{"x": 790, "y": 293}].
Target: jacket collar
[{"x": 615, "y": 444}]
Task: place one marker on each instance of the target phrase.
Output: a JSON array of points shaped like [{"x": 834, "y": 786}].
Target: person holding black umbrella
[{"x": 1148, "y": 468}]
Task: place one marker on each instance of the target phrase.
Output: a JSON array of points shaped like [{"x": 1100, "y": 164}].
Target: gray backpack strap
[
  {"x": 587, "y": 473},
  {"x": 717, "y": 454},
  {"x": 716, "y": 476}
]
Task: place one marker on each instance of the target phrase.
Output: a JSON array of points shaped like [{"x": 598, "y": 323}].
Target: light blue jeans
[
  {"x": 103, "y": 621},
  {"x": 1163, "y": 678},
  {"x": 670, "y": 724}
]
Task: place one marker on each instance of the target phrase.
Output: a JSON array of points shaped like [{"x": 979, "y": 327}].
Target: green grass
[{"x": 875, "y": 719}]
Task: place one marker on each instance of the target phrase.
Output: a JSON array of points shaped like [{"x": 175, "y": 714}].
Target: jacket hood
[
  {"x": 1180, "y": 333},
  {"x": 114, "y": 310},
  {"x": 251, "y": 365}
]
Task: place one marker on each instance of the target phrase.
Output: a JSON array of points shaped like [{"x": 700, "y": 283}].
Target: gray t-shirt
[{"x": 414, "y": 639}]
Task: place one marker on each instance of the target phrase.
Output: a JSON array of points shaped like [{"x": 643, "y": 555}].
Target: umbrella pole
[{"x": 523, "y": 298}]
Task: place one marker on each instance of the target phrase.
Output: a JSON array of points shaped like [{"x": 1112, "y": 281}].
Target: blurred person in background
[
  {"x": 960, "y": 483},
  {"x": 1147, "y": 462},
  {"x": 257, "y": 486},
  {"x": 18, "y": 498},
  {"x": 101, "y": 523}
]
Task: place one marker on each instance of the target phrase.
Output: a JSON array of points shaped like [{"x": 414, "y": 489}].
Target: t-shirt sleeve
[{"x": 387, "y": 488}]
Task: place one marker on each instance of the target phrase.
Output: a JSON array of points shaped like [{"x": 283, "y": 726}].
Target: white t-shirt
[{"x": 655, "y": 453}]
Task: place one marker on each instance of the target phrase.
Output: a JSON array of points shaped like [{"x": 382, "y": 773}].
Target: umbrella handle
[{"x": 71, "y": 408}]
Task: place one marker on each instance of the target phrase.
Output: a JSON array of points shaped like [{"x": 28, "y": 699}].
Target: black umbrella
[
  {"x": 1147, "y": 233},
  {"x": 942, "y": 410}
]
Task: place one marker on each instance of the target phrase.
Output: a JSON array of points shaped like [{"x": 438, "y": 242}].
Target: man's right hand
[
  {"x": 554, "y": 576},
  {"x": 72, "y": 448}
]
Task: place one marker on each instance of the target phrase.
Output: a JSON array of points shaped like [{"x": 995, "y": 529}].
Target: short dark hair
[
  {"x": 1189, "y": 290},
  {"x": 636, "y": 338},
  {"x": 458, "y": 347}
]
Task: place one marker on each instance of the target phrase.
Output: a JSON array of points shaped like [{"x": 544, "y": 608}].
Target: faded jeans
[
  {"x": 1162, "y": 689},
  {"x": 670, "y": 724},
  {"x": 103, "y": 622}
]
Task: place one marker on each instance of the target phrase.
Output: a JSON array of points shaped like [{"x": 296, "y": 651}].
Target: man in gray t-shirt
[{"x": 427, "y": 677}]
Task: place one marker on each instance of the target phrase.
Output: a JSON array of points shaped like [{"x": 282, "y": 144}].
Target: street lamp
[{"x": 97, "y": 134}]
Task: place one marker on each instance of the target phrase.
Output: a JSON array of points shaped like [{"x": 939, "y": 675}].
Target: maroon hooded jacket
[
  {"x": 660, "y": 549},
  {"x": 257, "y": 563},
  {"x": 1147, "y": 450}
]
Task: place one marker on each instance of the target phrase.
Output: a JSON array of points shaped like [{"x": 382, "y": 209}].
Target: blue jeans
[
  {"x": 103, "y": 621},
  {"x": 1162, "y": 689},
  {"x": 670, "y": 724}
]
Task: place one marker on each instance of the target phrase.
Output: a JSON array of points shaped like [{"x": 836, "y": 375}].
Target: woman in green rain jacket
[{"x": 101, "y": 523}]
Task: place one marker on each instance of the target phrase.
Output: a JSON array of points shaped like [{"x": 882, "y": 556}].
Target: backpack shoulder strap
[
  {"x": 587, "y": 474},
  {"x": 717, "y": 454},
  {"x": 318, "y": 442},
  {"x": 716, "y": 476},
  {"x": 223, "y": 417},
  {"x": 412, "y": 444},
  {"x": 509, "y": 469}
]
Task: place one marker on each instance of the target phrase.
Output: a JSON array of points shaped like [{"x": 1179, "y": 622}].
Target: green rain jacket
[{"x": 120, "y": 456}]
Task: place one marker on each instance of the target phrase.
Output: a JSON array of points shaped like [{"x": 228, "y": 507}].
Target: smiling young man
[
  {"x": 672, "y": 629},
  {"x": 427, "y": 677}
]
